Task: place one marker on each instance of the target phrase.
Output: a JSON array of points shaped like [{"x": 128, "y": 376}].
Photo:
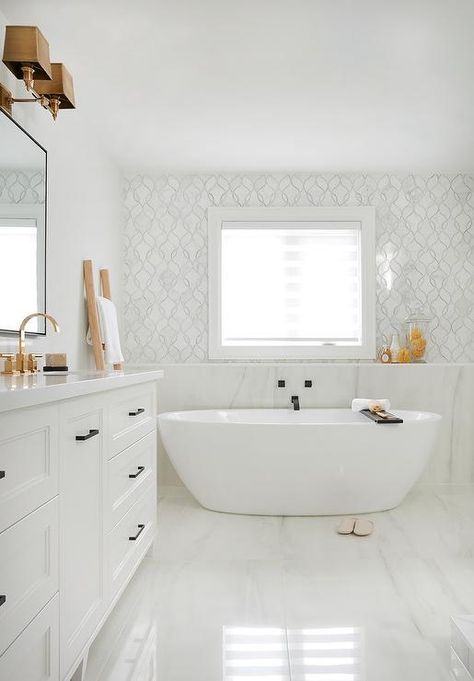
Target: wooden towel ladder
[{"x": 93, "y": 317}]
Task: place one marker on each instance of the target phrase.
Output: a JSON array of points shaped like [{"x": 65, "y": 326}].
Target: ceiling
[{"x": 234, "y": 85}]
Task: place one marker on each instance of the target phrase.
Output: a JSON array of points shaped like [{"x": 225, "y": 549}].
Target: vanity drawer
[
  {"x": 130, "y": 539},
  {"x": 34, "y": 656},
  {"x": 128, "y": 474},
  {"x": 28, "y": 461},
  {"x": 132, "y": 414},
  {"x": 28, "y": 569}
]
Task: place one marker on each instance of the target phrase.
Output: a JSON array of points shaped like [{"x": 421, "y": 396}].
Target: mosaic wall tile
[
  {"x": 21, "y": 186},
  {"x": 424, "y": 253}
]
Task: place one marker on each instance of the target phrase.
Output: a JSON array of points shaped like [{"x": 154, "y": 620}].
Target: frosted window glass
[{"x": 284, "y": 285}]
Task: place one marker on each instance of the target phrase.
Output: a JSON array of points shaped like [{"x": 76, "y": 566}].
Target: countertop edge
[{"x": 20, "y": 397}]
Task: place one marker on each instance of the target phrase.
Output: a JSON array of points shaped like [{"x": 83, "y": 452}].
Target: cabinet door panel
[
  {"x": 28, "y": 461},
  {"x": 34, "y": 656},
  {"x": 28, "y": 569},
  {"x": 82, "y": 598}
]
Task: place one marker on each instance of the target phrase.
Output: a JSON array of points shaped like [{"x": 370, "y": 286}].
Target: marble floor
[{"x": 241, "y": 598}]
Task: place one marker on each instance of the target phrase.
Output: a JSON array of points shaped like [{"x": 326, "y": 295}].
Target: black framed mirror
[{"x": 23, "y": 198}]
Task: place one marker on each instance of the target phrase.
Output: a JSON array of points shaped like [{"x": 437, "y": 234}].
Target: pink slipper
[
  {"x": 347, "y": 526},
  {"x": 363, "y": 527}
]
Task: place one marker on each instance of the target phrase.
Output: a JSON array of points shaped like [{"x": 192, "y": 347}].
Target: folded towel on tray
[{"x": 360, "y": 403}]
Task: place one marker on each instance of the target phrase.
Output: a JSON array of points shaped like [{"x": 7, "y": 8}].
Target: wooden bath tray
[{"x": 379, "y": 419}]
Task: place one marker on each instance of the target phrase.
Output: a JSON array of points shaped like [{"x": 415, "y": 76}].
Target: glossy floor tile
[{"x": 241, "y": 598}]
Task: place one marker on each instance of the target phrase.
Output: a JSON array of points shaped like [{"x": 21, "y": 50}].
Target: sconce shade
[
  {"x": 27, "y": 46},
  {"x": 60, "y": 86}
]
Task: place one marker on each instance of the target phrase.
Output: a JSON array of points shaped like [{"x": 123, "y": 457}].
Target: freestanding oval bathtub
[{"x": 308, "y": 462}]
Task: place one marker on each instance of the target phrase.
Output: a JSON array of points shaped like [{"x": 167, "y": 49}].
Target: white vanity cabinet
[{"x": 77, "y": 515}]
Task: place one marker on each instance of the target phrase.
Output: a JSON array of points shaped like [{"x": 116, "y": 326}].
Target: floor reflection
[
  {"x": 126, "y": 648},
  {"x": 280, "y": 654},
  {"x": 234, "y": 598}
]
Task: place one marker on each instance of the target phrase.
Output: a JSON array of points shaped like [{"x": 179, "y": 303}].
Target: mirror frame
[{"x": 9, "y": 332}]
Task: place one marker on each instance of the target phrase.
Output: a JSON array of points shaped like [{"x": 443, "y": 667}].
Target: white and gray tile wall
[
  {"x": 21, "y": 186},
  {"x": 425, "y": 258}
]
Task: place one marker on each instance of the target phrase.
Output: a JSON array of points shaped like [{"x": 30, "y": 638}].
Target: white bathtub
[{"x": 308, "y": 462}]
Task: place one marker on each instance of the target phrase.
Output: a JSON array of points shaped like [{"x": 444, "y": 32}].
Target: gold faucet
[{"x": 22, "y": 362}]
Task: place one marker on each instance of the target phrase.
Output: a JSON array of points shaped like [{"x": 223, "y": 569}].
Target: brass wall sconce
[
  {"x": 59, "y": 90},
  {"x": 26, "y": 54}
]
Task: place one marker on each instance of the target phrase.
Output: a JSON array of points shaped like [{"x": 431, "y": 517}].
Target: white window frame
[{"x": 364, "y": 215}]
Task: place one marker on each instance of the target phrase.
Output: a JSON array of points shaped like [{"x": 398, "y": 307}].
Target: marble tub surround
[
  {"x": 446, "y": 389},
  {"x": 462, "y": 645},
  {"x": 285, "y": 581}
]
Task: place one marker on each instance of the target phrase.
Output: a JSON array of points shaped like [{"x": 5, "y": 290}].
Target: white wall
[{"x": 84, "y": 214}]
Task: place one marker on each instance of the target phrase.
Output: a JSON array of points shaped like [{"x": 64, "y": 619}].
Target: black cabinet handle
[
  {"x": 2, "y": 474},
  {"x": 140, "y": 471},
  {"x": 92, "y": 433},
  {"x": 141, "y": 528},
  {"x": 3, "y": 598},
  {"x": 136, "y": 412}
]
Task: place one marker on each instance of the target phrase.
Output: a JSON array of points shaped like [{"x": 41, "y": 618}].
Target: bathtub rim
[{"x": 289, "y": 417}]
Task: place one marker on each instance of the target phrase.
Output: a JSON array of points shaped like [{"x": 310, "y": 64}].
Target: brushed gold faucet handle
[
  {"x": 32, "y": 363},
  {"x": 9, "y": 366}
]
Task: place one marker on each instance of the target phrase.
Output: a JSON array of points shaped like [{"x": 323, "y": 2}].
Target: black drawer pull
[
  {"x": 2, "y": 474},
  {"x": 3, "y": 599},
  {"x": 136, "y": 412},
  {"x": 92, "y": 433},
  {"x": 141, "y": 528},
  {"x": 140, "y": 471}
]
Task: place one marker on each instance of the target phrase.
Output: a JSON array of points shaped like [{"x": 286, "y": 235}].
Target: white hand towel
[
  {"x": 109, "y": 331},
  {"x": 364, "y": 403}
]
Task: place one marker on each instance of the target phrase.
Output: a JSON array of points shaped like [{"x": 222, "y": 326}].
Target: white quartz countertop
[{"x": 28, "y": 390}]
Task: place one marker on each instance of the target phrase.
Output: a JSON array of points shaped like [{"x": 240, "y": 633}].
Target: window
[
  {"x": 292, "y": 282},
  {"x": 22, "y": 252}
]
